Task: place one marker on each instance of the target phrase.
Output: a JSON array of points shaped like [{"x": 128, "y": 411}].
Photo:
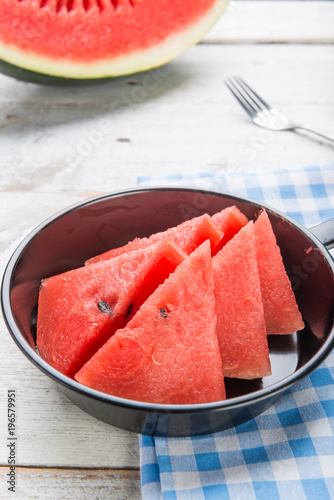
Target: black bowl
[{"x": 86, "y": 229}]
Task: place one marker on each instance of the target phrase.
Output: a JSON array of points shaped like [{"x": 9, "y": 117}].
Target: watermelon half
[
  {"x": 80, "y": 309},
  {"x": 168, "y": 353},
  {"x": 89, "y": 39}
]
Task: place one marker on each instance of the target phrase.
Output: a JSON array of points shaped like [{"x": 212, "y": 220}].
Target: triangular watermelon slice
[
  {"x": 186, "y": 236},
  {"x": 280, "y": 308},
  {"x": 80, "y": 309},
  {"x": 241, "y": 328},
  {"x": 168, "y": 353},
  {"x": 230, "y": 221}
]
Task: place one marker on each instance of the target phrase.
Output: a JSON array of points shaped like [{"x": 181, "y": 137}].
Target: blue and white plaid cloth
[{"x": 288, "y": 451}]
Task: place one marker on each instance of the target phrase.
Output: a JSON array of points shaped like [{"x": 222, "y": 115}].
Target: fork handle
[{"x": 314, "y": 132}]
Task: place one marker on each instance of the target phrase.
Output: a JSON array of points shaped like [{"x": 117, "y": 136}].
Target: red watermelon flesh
[
  {"x": 230, "y": 221},
  {"x": 186, "y": 236},
  {"x": 168, "y": 353},
  {"x": 280, "y": 308},
  {"x": 241, "y": 327},
  {"x": 80, "y": 309}
]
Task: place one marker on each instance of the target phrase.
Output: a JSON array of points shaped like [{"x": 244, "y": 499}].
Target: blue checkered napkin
[{"x": 288, "y": 451}]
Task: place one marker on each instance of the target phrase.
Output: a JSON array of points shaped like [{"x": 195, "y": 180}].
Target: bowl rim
[{"x": 229, "y": 404}]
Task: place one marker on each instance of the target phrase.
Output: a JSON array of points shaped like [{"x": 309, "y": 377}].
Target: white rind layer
[{"x": 132, "y": 63}]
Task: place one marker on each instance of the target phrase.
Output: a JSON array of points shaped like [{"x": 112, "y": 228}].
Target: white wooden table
[{"x": 61, "y": 145}]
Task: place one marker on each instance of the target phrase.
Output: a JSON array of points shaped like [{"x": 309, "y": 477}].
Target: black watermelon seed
[
  {"x": 163, "y": 313},
  {"x": 33, "y": 323},
  {"x": 105, "y": 307},
  {"x": 128, "y": 312}
]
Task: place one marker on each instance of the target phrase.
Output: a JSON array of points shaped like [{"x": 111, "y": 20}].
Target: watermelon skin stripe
[{"x": 80, "y": 52}]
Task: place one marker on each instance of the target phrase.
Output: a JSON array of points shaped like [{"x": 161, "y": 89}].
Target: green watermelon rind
[
  {"x": 27, "y": 75},
  {"x": 41, "y": 69}
]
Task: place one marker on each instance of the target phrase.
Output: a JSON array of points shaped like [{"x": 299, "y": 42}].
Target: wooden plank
[
  {"x": 274, "y": 22},
  {"x": 73, "y": 484},
  {"x": 51, "y": 431},
  {"x": 186, "y": 121}
]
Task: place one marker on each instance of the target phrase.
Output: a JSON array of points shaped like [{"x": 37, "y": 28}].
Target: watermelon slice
[
  {"x": 230, "y": 221},
  {"x": 186, "y": 236},
  {"x": 80, "y": 309},
  {"x": 83, "y": 39},
  {"x": 280, "y": 308},
  {"x": 168, "y": 352},
  {"x": 241, "y": 327}
]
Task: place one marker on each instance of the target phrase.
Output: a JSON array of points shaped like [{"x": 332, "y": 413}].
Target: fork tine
[
  {"x": 245, "y": 95},
  {"x": 252, "y": 94},
  {"x": 239, "y": 97}
]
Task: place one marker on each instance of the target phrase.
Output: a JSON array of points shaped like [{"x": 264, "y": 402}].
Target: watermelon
[
  {"x": 241, "y": 326},
  {"x": 230, "y": 221},
  {"x": 168, "y": 353},
  {"x": 282, "y": 315},
  {"x": 187, "y": 236},
  {"x": 80, "y": 309},
  {"x": 90, "y": 39}
]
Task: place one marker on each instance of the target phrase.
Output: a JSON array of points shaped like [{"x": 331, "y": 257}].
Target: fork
[{"x": 260, "y": 111}]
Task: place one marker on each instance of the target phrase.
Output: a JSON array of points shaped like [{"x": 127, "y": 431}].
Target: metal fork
[{"x": 260, "y": 111}]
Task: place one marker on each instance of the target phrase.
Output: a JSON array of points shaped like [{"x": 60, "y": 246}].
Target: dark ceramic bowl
[{"x": 70, "y": 237}]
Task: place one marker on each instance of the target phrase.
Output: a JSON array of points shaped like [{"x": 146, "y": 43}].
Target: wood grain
[
  {"x": 51, "y": 431},
  {"x": 274, "y": 22},
  {"x": 186, "y": 122},
  {"x": 74, "y": 484}
]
